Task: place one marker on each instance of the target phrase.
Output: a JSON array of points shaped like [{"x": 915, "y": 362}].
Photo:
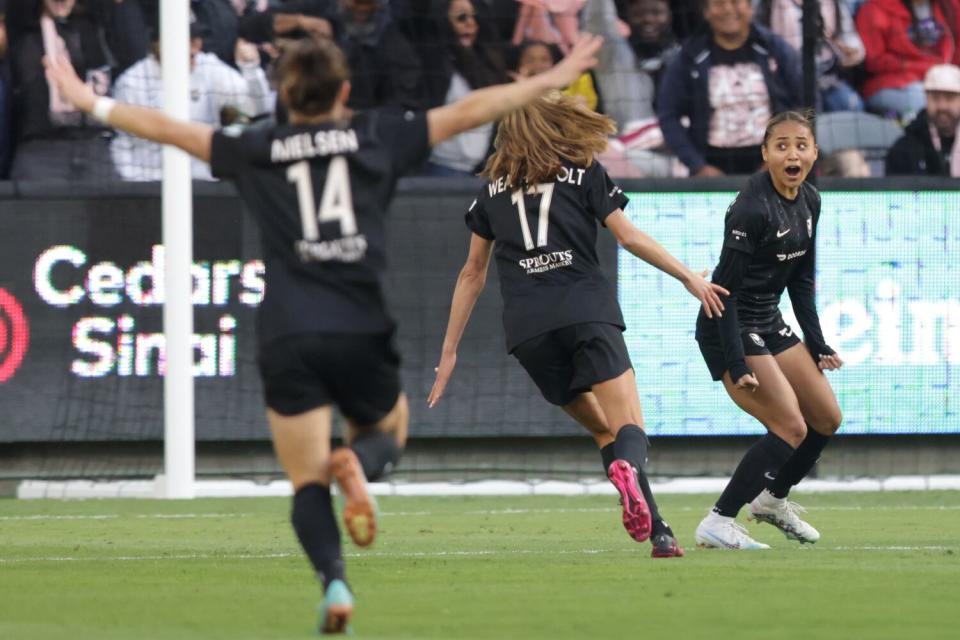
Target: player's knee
[
  {"x": 792, "y": 430},
  {"x": 831, "y": 423}
]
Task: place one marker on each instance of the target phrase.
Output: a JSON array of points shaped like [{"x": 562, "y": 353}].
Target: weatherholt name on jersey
[
  {"x": 320, "y": 193},
  {"x": 545, "y": 239}
]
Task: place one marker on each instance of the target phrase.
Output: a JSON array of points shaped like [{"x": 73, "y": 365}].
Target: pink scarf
[{"x": 62, "y": 112}]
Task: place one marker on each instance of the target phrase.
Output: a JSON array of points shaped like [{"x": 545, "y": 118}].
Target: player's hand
[
  {"x": 60, "y": 73},
  {"x": 747, "y": 381},
  {"x": 829, "y": 362},
  {"x": 582, "y": 56},
  {"x": 444, "y": 370},
  {"x": 707, "y": 293}
]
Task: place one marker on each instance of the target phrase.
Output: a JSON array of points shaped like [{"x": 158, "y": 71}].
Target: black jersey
[
  {"x": 769, "y": 245},
  {"x": 546, "y": 251},
  {"x": 320, "y": 195}
]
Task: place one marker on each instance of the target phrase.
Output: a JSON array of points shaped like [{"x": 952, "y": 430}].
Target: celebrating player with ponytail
[{"x": 538, "y": 215}]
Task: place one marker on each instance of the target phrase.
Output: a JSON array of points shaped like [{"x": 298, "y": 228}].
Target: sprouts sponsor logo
[
  {"x": 547, "y": 261},
  {"x": 109, "y": 342},
  {"x": 14, "y": 335}
]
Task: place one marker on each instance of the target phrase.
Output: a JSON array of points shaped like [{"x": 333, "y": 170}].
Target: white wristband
[{"x": 102, "y": 108}]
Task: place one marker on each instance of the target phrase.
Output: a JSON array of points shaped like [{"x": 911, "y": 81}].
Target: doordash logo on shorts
[{"x": 14, "y": 335}]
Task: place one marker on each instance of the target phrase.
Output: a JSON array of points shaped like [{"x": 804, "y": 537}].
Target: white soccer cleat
[
  {"x": 783, "y": 514},
  {"x": 722, "y": 532}
]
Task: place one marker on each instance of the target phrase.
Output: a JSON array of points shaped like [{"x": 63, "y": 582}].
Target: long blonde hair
[{"x": 532, "y": 142}]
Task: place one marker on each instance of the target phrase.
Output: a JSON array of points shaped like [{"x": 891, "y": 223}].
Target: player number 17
[{"x": 545, "y": 191}]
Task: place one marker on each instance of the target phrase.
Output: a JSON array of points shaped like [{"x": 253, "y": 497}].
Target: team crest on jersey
[
  {"x": 757, "y": 340},
  {"x": 809, "y": 227}
]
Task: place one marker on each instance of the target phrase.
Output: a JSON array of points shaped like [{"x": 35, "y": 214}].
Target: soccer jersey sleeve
[
  {"x": 729, "y": 274},
  {"x": 802, "y": 290},
  {"x": 405, "y": 134},
  {"x": 603, "y": 195},
  {"x": 477, "y": 220},
  {"x": 227, "y": 153},
  {"x": 744, "y": 225}
]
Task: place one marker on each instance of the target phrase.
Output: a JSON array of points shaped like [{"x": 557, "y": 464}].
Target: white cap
[{"x": 943, "y": 77}]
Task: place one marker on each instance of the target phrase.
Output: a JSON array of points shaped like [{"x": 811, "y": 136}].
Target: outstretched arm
[
  {"x": 491, "y": 103},
  {"x": 470, "y": 284},
  {"x": 143, "y": 122},
  {"x": 649, "y": 250}
]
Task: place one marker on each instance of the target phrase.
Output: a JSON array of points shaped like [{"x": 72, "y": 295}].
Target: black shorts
[
  {"x": 754, "y": 344},
  {"x": 359, "y": 373},
  {"x": 568, "y": 361}
]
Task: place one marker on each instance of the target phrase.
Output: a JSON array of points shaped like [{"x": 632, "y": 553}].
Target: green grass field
[{"x": 888, "y": 566}]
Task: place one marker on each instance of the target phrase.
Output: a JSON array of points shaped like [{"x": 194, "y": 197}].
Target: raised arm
[
  {"x": 470, "y": 284},
  {"x": 491, "y": 103},
  {"x": 143, "y": 122},
  {"x": 649, "y": 250}
]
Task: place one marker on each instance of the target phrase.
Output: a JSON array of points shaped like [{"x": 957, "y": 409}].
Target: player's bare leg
[{"x": 302, "y": 444}]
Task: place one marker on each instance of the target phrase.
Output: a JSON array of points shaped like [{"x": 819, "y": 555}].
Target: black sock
[
  {"x": 799, "y": 465},
  {"x": 631, "y": 445},
  {"x": 378, "y": 453},
  {"x": 778, "y": 452},
  {"x": 607, "y": 456},
  {"x": 317, "y": 530},
  {"x": 769, "y": 452}
]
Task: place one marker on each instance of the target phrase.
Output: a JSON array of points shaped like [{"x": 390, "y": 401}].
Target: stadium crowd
[{"x": 690, "y": 83}]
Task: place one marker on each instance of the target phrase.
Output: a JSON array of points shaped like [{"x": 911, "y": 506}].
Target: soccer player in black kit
[
  {"x": 538, "y": 216},
  {"x": 319, "y": 188},
  {"x": 769, "y": 245}
]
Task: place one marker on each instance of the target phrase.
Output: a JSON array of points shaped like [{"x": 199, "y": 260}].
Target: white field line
[
  {"x": 473, "y": 512},
  {"x": 465, "y": 553},
  {"x": 117, "y": 516}
]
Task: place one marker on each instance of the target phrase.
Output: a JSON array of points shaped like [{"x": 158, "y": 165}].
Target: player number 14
[
  {"x": 545, "y": 191},
  {"x": 336, "y": 203}
]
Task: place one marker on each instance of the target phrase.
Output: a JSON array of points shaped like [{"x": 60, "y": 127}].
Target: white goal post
[{"x": 177, "y": 481}]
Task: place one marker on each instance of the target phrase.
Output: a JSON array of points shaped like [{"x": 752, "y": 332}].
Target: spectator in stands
[
  {"x": 928, "y": 145},
  {"x": 55, "y": 141},
  {"x": 384, "y": 66},
  {"x": 218, "y": 94},
  {"x": 839, "y": 49},
  {"x": 903, "y": 39},
  {"x": 728, "y": 81},
  {"x": 534, "y": 57},
  {"x": 687, "y": 17},
  {"x": 846, "y": 163},
  {"x": 222, "y": 24},
  {"x": 6, "y": 96},
  {"x": 125, "y": 25},
  {"x": 554, "y": 22},
  {"x": 651, "y": 35},
  {"x": 627, "y": 75},
  {"x": 459, "y": 60}
]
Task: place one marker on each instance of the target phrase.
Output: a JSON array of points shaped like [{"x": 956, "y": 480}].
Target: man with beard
[{"x": 927, "y": 146}]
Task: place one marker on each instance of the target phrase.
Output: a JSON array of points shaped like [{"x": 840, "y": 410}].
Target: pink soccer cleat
[{"x": 636, "y": 514}]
